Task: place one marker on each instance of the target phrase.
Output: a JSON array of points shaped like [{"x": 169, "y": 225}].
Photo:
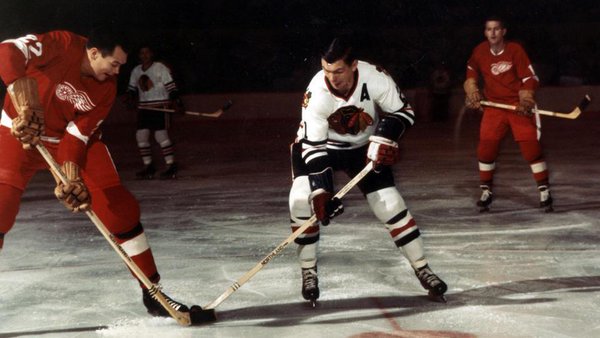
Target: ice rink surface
[{"x": 512, "y": 272}]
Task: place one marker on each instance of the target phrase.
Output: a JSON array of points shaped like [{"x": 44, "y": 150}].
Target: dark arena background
[{"x": 512, "y": 272}]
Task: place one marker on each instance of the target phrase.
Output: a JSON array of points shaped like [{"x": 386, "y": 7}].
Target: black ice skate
[
  {"x": 545, "y": 198},
  {"x": 485, "y": 200},
  {"x": 310, "y": 285},
  {"x": 156, "y": 309},
  {"x": 170, "y": 173},
  {"x": 147, "y": 173},
  {"x": 432, "y": 283},
  {"x": 197, "y": 314}
]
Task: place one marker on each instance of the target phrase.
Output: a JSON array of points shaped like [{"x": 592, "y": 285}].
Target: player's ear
[
  {"x": 354, "y": 65},
  {"x": 94, "y": 53}
]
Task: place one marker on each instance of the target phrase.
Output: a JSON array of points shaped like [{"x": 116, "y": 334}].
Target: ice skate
[
  {"x": 432, "y": 283},
  {"x": 156, "y": 309},
  {"x": 485, "y": 200},
  {"x": 197, "y": 314},
  {"x": 147, "y": 173},
  {"x": 170, "y": 173},
  {"x": 310, "y": 285},
  {"x": 545, "y": 199}
]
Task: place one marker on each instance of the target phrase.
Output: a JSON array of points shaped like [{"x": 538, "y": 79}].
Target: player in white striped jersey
[
  {"x": 153, "y": 85},
  {"x": 352, "y": 112}
]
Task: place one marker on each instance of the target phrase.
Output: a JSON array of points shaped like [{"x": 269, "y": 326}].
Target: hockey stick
[
  {"x": 245, "y": 278},
  {"x": 214, "y": 114},
  {"x": 571, "y": 115},
  {"x": 183, "y": 318}
]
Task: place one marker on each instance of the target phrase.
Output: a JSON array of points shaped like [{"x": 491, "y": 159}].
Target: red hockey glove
[
  {"x": 382, "y": 152},
  {"x": 325, "y": 206},
  {"x": 74, "y": 195}
]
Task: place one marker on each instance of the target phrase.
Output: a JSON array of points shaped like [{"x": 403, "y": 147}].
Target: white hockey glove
[
  {"x": 28, "y": 126},
  {"x": 75, "y": 195},
  {"x": 382, "y": 151}
]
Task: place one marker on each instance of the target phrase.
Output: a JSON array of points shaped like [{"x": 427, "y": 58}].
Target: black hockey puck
[{"x": 200, "y": 316}]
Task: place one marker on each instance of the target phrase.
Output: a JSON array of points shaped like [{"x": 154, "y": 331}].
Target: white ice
[{"x": 512, "y": 272}]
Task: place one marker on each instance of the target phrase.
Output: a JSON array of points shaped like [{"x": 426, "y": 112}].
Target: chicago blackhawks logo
[
  {"x": 66, "y": 92},
  {"x": 306, "y": 98},
  {"x": 501, "y": 67},
  {"x": 349, "y": 120}
]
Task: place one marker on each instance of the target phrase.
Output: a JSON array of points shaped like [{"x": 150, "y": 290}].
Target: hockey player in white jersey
[
  {"x": 152, "y": 84},
  {"x": 352, "y": 112}
]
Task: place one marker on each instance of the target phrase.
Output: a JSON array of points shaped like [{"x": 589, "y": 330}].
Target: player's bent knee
[
  {"x": 117, "y": 208},
  {"x": 298, "y": 200},
  {"x": 386, "y": 203},
  {"x": 10, "y": 198}
]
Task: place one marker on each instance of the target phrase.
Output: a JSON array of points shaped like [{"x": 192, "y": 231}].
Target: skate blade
[
  {"x": 484, "y": 209},
  {"x": 437, "y": 298},
  {"x": 313, "y": 303},
  {"x": 200, "y": 316}
]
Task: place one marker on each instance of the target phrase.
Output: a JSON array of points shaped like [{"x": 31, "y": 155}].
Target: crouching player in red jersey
[{"x": 62, "y": 87}]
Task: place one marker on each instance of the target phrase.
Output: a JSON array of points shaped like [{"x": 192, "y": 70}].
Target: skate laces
[
  {"x": 156, "y": 288},
  {"x": 485, "y": 195},
  {"x": 544, "y": 193},
  {"x": 309, "y": 277},
  {"x": 427, "y": 276}
]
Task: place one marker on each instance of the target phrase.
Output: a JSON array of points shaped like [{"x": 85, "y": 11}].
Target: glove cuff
[
  {"x": 383, "y": 140},
  {"x": 71, "y": 170},
  {"x": 322, "y": 180},
  {"x": 470, "y": 86}
]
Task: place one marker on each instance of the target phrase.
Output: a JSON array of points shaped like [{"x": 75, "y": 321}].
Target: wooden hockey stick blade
[
  {"x": 183, "y": 318},
  {"x": 571, "y": 115},
  {"x": 245, "y": 278},
  {"x": 215, "y": 114}
]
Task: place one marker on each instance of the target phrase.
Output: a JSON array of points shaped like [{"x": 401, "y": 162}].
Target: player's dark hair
[
  {"x": 339, "y": 49},
  {"x": 495, "y": 18},
  {"x": 106, "y": 39}
]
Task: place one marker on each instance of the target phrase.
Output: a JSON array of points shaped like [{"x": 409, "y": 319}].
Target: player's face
[
  {"x": 107, "y": 66},
  {"x": 340, "y": 74},
  {"x": 494, "y": 32},
  {"x": 145, "y": 55}
]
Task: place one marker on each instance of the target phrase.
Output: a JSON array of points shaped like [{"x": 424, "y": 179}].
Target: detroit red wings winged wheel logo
[
  {"x": 66, "y": 92},
  {"x": 349, "y": 120}
]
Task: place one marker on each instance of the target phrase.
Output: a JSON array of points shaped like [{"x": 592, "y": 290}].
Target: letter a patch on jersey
[{"x": 364, "y": 94}]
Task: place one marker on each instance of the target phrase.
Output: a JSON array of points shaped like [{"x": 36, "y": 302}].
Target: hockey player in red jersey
[
  {"x": 342, "y": 129},
  {"x": 508, "y": 78},
  {"x": 76, "y": 81}
]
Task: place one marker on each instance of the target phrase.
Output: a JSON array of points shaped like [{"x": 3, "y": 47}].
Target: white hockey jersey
[
  {"x": 330, "y": 121},
  {"x": 153, "y": 85}
]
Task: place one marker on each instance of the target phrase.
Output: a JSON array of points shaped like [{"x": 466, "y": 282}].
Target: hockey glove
[
  {"x": 178, "y": 106},
  {"x": 325, "y": 206},
  {"x": 321, "y": 200},
  {"x": 74, "y": 195},
  {"x": 526, "y": 103},
  {"x": 382, "y": 151},
  {"x": 28, "y": 126},
  {"x": 473, "y": 97}
]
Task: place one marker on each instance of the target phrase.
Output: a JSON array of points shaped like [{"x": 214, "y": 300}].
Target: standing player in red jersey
[
  {"x": 76, "y": 81},
  {"x": 508, "y": 78}
]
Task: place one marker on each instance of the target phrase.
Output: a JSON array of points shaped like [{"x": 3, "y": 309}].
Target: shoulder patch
[{"x": 306, "y": 98}]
